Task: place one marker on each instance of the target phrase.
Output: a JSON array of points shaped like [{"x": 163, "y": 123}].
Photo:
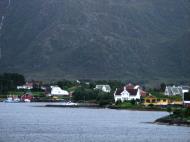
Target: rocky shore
[{"x": 173, "y": 120}]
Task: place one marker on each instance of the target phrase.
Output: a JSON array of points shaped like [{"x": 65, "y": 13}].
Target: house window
[
  {"x": 158, "y": 100},
  {"x": 164, "y": 100},
  {"x": 148, "y": 101},
  {"x": 153, "y": 101}
]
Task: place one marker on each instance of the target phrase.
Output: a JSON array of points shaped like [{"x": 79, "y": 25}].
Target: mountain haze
[{"x": 96, "y": 39}]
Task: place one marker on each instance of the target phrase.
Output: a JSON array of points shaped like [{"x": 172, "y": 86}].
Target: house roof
[
  {"x": 173, "y": 90},
  {"x": 119, "y": 91},
  {"x": 132, "y": 92},
  {"x": 129, "y": 86},
  {"x": 55, "y": 90},
  {"x": 152, "y": 97}
]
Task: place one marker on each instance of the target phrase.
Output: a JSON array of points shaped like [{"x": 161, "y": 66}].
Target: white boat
[
  {"x": 71, "y": 104},
  {"x": 12, "y": 100},
  {"x": 68, "y": 104},
  {"x": 27, "y": 100}
]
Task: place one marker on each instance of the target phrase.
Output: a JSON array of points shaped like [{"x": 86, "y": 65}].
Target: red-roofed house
[
  {"x": 130, "y": 86},
  {"x": 127, "y": 93}
]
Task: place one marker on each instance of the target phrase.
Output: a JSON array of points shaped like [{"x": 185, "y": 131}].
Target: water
[{"x": 28, "y": 123}]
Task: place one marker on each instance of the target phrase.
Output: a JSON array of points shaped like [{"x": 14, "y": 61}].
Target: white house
[
  {"x": 104, "y": 88},
  {"x": 26, "y": 86},
  {"x": 125, "y": 94},
  {"x": 185, "y": 89},
  {"x": 57, "y": 91},
  {"x": 176, "y": 90}
]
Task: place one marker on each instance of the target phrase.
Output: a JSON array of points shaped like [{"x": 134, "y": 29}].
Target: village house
[
  {"x": 57, "y": 91},
  {"x": 176, "y": 90},
  {"x": 128, "y": 92},
  {"x": 161, "y": 101},
  {"x": 104, "y": 88},
  {"x": 26, "y": 86},
  {"x": 155, "y": 101}
]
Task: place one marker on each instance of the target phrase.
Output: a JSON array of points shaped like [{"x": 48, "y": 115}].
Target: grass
[{"x": 135, "y": 106}]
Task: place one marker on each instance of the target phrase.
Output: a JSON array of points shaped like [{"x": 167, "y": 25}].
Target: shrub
[
  {"x": 104, "y": 102},
  {"x": 177, "y": 112},
  {"x": 151, "y": 105},
  {"x": 133, "y": 102},
  {"x": 118, "y": 102},
  {"x": 169, "y": 110}
]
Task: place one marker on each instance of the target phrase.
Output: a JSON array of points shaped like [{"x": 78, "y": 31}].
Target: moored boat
[{"x": 12, "y": 100}]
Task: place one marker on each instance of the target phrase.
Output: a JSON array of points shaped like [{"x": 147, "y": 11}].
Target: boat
[
  {"x": 64, "y": 104},
  {"x": 27, "y": 100},
  {"x": 12, "y": 100},
  {"x": 70, "y": 104}
]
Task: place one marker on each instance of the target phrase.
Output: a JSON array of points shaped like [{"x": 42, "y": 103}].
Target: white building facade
[
  {"x": 176, "y": 90},
  {"x": 104, "y": 88},
  {"x": 126, "y": 94},
  {"x": 57, "y": 91}
]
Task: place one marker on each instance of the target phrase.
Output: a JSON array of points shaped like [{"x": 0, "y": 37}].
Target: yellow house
[
  {"x": 163, "y": 101},
  {"x": 160, "y": 101},
  {"x": 150, "y": 100},
  {"x": 176, "y": 102}
]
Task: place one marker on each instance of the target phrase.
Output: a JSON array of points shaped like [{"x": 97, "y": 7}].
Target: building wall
[{"x": 124, "y": 96}]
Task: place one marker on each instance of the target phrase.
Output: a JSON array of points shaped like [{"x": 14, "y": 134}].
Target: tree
[
  {"x": 169, "y": 110},
  {"x": 162, "y": 87},
  {"x": 9, "y": 82}
]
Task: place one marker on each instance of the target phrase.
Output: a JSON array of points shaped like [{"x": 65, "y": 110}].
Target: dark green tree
[{"x": 162, "y": 87}]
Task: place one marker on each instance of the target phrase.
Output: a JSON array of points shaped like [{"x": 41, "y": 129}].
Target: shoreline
[
  {"x": 168, "y": 120},
  {"x": 88, "y": 105},
  {"x": 173, "y": 124}
]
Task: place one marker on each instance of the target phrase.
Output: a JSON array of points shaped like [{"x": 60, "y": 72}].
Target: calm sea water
[{"x": 29, "y": 123}]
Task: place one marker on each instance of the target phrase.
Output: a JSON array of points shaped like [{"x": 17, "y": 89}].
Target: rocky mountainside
[{"x": 96, "y": 39}]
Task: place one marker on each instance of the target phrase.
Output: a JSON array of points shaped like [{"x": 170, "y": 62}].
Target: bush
[
  {"x": 177, "y": 112},
  {"x": 169, "y": 110},
  {"x": 187, "y": 112},
  {"x": 118, "y": 102},
  {"x": 151, "y": 105},
  {"x": 133, "y": 102},
  {"x": 104, "y": 102}
]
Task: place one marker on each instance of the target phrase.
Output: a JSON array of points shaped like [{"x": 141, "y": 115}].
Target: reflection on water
[{"x": 26, "y": 123}]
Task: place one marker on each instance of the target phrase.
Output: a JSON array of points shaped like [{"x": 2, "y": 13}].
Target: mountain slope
[{"x": 103, "y": 39}]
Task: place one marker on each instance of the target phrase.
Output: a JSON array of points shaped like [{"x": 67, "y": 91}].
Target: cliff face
[{"x": 102, "y": 39}]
